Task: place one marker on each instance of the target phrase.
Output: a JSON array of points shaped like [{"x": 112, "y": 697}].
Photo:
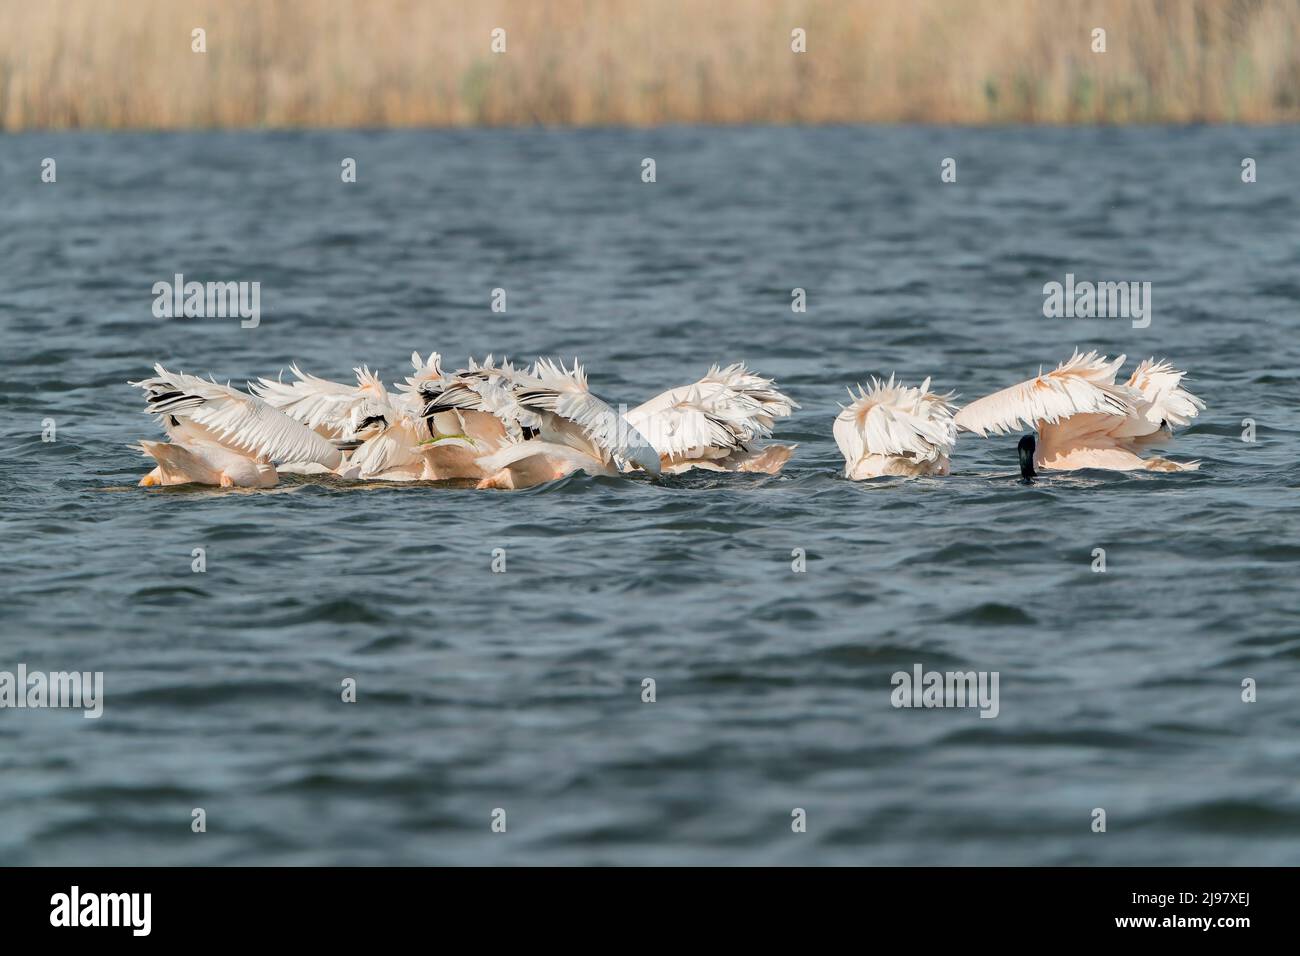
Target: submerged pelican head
[{"x": 1026, "y": 452}]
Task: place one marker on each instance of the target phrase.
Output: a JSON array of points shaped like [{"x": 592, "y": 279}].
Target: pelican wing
[
  {"x": 725, "y": 410},
  {"x": 443, "y": 393},
  {"x": 320, "y": 404},
  {"x": 1083, "y": 384},
  {"x": 683, "y": 429},
  {"x": 893, "y": 420},
  {"x": 235, "y": 419},
  {"x": 394, "y": 447},
  {"x": 1164, "y": 402},
  {"x": 746, "y": 390},
  {"x": 563, "y": 392},
  {"x": 486, "y": 388},
  {"x": 429, "y": 370}
]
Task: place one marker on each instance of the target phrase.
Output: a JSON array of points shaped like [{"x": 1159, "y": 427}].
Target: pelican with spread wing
[
  {"x": 222, "y": 436},
  {"x": 379, "y": 430},
  {"x": 563, "y": 427},
  {"x": 712, "y": 424},
  {"x": 335, "y": 410},
  {"x": 891, "y": 429},
  {"x": 1085, "y": 418}
]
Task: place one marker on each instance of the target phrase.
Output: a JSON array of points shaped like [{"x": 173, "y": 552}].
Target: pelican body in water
[
  {"x": 713, "y": 424},
  {"x": 379, "y": 430},
  {"x": 890, "y": 429},
  {"x": 222, "y": 436},
  {"x": 1086, "y": 419},
  {"x": 520, "y": 428},
  {"x": 509, "y": 427}
]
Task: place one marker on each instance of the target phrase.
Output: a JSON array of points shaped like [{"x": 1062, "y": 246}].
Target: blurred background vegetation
[{"x": 370, "y": 63}]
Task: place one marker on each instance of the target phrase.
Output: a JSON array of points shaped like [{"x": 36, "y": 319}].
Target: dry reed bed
[{"x": 349, "y": 63}]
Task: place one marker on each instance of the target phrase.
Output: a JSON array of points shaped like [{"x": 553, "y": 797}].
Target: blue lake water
[{"x": 523, "y": 690}]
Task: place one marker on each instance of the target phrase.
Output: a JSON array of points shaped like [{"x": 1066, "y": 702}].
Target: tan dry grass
[{"x": 294, "y": 63}]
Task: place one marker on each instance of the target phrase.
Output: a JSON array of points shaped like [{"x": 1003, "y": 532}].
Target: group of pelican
[
  {"x": 511, "y": 427},
  {"x": 1084, "y": 417}
]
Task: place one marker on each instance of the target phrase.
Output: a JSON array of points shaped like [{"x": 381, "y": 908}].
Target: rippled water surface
[{"x": 522, "y": 690}]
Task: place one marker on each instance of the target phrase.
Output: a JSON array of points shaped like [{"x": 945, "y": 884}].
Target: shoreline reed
[{"x": 128, "y": 64}]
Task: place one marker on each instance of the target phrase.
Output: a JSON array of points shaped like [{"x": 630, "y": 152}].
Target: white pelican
[
  {"x": 1085, "y": 419},
  {"x": 222, "y": 436},
  {"x": 391, "y": 450},
  {"x": 467, "y": 416},
  {"x": 890, "y": 429},
  {"x": 330, "y": 409},
  {"x": 379, "y": 429},
  {"x": 548, "y": 424},
  {"x": 712, "y": 423}
]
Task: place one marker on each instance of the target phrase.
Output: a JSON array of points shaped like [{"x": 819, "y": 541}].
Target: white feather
[
  {"x": 1164, "y": 403},
  {"x": 722, "y": 412},
  {"x": 234, "y": 419},
  {"x": 563, "y": 392},
  {"x": 1082, "y": 384},
  {"x": 891, "y": 420},
  {"x": 322, "y": 405}
]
